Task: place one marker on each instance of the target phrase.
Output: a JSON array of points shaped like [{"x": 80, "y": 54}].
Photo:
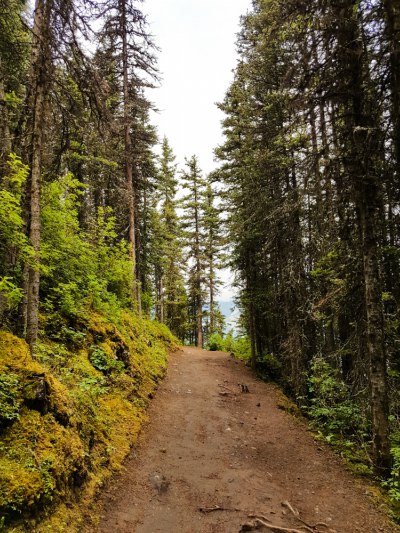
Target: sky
[
  {"x": 198, "y": 53},
  {"x": 197, "y": 39}
]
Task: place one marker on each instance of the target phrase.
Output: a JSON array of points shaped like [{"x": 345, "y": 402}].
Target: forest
[{"x": 111, "y": 255}]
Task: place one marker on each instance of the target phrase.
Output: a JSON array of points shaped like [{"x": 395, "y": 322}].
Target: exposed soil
[{"x": 209, "y": 444}]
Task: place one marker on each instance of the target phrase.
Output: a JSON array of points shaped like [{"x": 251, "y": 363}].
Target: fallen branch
[
  {"x": 296, "y": 514},
  {"x": 227, "y": 388},
  {"x": 259, "y": 516},
  {"x": 218, "y": 508},
  {"x": 251, "y": 526}
]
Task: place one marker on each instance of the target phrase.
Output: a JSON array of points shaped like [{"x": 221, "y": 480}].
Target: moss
[{"x": 74, "y": 423}]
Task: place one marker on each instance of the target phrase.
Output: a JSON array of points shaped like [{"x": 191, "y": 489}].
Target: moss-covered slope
[{"x": 69, "y": 417}]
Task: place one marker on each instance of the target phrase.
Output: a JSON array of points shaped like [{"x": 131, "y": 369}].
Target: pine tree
[
  {"x": 214, "y": 242},
  {"x": 192, "y": 222}
]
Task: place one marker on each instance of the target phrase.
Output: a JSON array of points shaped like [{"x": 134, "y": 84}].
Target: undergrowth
[
  {"x": 69, "y": 417},
  {"x": 335, "y": 417}
]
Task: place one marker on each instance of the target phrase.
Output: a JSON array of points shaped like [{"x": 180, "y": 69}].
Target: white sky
[
  {"x": 197, "y": 40},
  {"x": 198, "y": 54}
]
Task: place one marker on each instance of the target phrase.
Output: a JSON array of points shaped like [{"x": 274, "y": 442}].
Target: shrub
[
  {"x": 331, "y": 407},
  {"x": 215, "y": 343},
  {"x": 9, "y": 398},
  {"x": 101, "y": 361}
]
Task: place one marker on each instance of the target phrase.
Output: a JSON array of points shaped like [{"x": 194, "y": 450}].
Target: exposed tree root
[
  {"x": 258, "y": 524},
  {"x": 218, "y": 508}
]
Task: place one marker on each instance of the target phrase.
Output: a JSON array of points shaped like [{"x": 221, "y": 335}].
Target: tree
[
  {"x": 128, "y": 43},
  {"x": 214, "y": 242},
  {"x": 192, "y": 204}
]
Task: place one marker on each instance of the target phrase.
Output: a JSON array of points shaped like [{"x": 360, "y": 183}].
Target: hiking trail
[{"x": 215, "y": 458}]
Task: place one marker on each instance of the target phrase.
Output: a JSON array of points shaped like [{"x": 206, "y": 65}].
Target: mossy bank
[{"x": 69, "y": 417}]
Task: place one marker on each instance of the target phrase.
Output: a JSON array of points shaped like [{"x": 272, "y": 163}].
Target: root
[
  {"x": 206, "y": 510},
  {"x": 258, "y": 523}
]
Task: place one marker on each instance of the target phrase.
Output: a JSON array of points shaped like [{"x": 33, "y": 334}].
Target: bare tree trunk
[
  {"x": 212, "y": 297},
  {"x": 199, "y": 340},
  {"x": 130, "y": 192},
  {"x": 375, "y": 337},
  {"x": 39, "y": 84},
  {"x": 361, "y": 138},
  {"x": 5, "y": 136},
  {"x": 199, "y": 300},
  {"x": 392, "y": 12},
  {"x": 162, "y": 314}
]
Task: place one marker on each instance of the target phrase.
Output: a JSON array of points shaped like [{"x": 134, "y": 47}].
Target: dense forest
[
  {"x": 106, "y": 246},
  {"x": 311, "y": 167}
]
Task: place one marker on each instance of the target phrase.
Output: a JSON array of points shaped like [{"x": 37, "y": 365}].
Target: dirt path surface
[{"x": 206, "y": 447}]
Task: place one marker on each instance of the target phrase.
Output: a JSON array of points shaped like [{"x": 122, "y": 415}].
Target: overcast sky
[
  {"x": 198, "y": 53},
  {"x": 197, "y": 41}
]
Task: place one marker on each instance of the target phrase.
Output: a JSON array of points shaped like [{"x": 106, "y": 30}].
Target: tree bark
[
  {"x": 40, "y": 72},
  {"x": 5, "y": 136},
  {"x": 361, "y": 139},
  {"x": 392, "y": 12},
  {"x": 130, "y": 191}
]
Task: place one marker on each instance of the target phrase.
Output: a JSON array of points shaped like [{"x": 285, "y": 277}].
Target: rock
[
  {"x": 159, "y": 482},
  {"x": 36, "y": 393}
]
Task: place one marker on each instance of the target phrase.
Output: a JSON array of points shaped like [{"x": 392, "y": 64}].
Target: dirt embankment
[{"x": 213, "y": 455}]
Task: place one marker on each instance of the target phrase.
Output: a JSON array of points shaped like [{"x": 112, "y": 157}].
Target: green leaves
[{"x": 9, "y": 398}]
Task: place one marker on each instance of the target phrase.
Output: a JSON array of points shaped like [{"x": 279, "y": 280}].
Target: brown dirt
[{"x": 239, "y": 451}]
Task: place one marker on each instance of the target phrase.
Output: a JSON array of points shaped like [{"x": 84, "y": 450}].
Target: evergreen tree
[
  {"x": 214, "y": 242},
  {"x": 192, "y": 223}
]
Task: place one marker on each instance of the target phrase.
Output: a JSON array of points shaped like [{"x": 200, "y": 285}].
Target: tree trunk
[
  {"x": 375, "y": 338},
  {"x": 363, "y": 156},
  {"x": 130, "y": 192},
  {"x": 5, "y": 136},
  {"x": 392, "y": 12},
  {"x": 212, "y": 296},
  {"x": 40, "y": 85}
]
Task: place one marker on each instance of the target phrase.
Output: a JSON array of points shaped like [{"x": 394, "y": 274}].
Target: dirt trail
[{"x": 205, "y": 449}]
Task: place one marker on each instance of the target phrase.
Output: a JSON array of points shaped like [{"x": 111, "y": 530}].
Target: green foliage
[
  {"x": 103, "y": 362},
  {"x": 229, "y": 342},
  {"x": 11, "y": 292},
  {"x": 239, "y": 346},
  {"x": 242, "y": 348},
  {"x": 81, "y": 270},
  {"x": 95, "y": 405},
  {"x": 331, "y": 409},
  {"x": 10, "y": 402},
  {"x": 269, "y": 367},
  {"x": 12, "y": 236},
  {"x": 11, "y": 220},
  {"x": 215, "y": 343},
  {"x": 393, "y": 483}
]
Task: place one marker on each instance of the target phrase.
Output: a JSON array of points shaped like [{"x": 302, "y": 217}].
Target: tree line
[
  {"x": 90, "y": 215},
  {"x": 311, "y": 166}
]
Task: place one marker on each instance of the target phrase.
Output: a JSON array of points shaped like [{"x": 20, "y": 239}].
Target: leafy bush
[
  {"x": 242, "y": 348},
  {"x": 215, "y": 343},
  {"x": 81, "y": 270},
  {"x": 269, "y": 366},
  {"x": 229, "y": 343},
  {"x": 101, "y": 361},
  {"x": 9, "y": 398},
  {"x": 331, "y": 407},
  {"x": 393, "y": 483}
]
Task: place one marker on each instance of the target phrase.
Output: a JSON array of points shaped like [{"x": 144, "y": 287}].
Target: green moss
[{"x": 73, "y": 415}]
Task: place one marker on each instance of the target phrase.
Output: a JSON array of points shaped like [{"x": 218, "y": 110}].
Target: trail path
[{"x": 205, "y": 447}]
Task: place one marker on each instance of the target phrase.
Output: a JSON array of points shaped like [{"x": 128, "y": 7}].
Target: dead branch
[
  {"x": 259, "y": 516},
  {"x": 309, "y": 527},
  {"x": 258, "y": 523},
  {"x": 218, "y": 508},
  {"x": 227, "y": 388}
]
